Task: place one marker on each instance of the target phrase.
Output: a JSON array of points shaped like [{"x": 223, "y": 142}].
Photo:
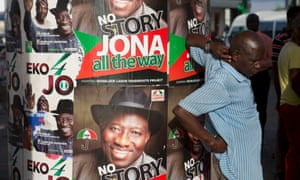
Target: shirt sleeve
[
  {"x": 209, "y": 97},
  {"x": 199, "y": 56}
]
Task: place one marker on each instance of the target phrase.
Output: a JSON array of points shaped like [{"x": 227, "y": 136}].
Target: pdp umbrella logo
[
  {"x": 157, "y": 95},
  {"x": 87, "y": 134},
  {"x": 175, "y": 136},
  {"x": 176, "y": 133}
]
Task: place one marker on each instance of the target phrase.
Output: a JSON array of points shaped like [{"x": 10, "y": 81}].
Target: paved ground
[
  {"x": 268, "y": 153},
  {"x": 269, "y": 146}
]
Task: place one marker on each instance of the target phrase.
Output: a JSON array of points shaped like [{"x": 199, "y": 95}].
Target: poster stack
[
  {"x": 121, "y": 95},
  {"x": 87, "y": 89},
  {"x": 92, "y": 85}
]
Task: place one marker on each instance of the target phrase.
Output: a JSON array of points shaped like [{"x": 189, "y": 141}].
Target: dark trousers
[
  {"x": 290, "y": 116},
  {"x": 260, "y": 85}
]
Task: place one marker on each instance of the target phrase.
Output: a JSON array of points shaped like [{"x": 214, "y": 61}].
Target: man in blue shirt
[{"x": 232, "y": 131}]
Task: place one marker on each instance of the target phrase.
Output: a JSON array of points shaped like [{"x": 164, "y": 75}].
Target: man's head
[
  {"x": 42, "y": 104},
  {"x": 296, "y": 30},
  {"x": 246, "y": 49},
  {"x": 63, "y": 18},
  {"x": 41, "y": 10},
  {"x": 64, "y": 117},
  {"x": 123, "y": 8},
  {"x": 291, "y": 14},
  {"x": 199, "y": 8},
  {"x": 252, "y": 22},
  {"x": 126, "y": 125}
]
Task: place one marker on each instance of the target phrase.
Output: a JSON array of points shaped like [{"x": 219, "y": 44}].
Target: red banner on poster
[{"x": 123, "y": 54}]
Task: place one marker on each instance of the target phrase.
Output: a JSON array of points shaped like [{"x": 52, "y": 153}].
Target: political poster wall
[{"x": 76, "y": 68}]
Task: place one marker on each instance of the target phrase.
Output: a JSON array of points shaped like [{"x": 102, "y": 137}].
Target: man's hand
[
  {"x": 295, "y": 79},
  {"x": 192, "y": 125},
  {"x": 220, "y": 51},
  {"x": 30, "y": 98},
  {"x": 219, "y": 146},
  {"x": 28, "y": 5},
  {"x": 196, "y": 40}
]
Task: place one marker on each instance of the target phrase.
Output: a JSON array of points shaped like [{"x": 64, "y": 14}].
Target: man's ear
[{"x": 235, "y": 55}]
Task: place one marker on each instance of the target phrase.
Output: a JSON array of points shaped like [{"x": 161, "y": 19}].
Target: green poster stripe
[
  {"x": 87, "y": 41},
  {"x": 177, "y": 47}
]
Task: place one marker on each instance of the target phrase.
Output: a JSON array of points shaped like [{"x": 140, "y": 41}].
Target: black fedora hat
[
  {"x": 64, "y": 106},
  {"x": 130, "y": 100},
  {"x": 61, "y": 5}
]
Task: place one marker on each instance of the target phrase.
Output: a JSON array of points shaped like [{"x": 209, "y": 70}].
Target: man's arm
[
  {"x": 266, "y": 62},
  {"x": 27, "y": 18},
  {"x": 191, "y": 124},
  {"x": 295, "y": 79},
  {"x": 218, "y": 49},
  {"x": 277, "y": 44}
]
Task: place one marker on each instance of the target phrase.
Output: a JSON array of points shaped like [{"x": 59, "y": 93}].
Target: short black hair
[{"x": 293, "y": 11}]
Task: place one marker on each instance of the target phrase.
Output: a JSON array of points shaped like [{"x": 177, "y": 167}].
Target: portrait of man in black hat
[
  {"x": 59, "y": 39},
  {"x": 126, "y": 125},
  {"x": 58, "y": 141}
]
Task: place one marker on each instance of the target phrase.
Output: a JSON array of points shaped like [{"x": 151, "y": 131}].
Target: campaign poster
[
  {"x": 47, "y": 27},
  {"x": 187, "y": 157},
  {"x": 186, "y": 16},
  {"x": 120, "y": 132},
  {"x": 41, "y": 93},
  {"x": 124, "y": 42}
]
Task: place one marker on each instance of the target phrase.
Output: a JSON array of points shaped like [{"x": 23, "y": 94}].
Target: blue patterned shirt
[{"x": 228, "y": 99}]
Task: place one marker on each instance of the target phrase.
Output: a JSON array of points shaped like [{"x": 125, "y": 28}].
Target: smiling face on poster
[
  {"x": 41, "y": 35},
  {"x": 131, "y": 127}
]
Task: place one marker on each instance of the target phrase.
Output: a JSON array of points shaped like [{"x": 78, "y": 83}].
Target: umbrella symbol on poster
[
  {"x": 175, "y": 136},
  {"x": 176, "y": 133},
  {"x": 86, "y": 134}
]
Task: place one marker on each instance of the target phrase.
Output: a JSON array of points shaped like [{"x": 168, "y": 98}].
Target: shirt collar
[{"x": 239, "y": 76}]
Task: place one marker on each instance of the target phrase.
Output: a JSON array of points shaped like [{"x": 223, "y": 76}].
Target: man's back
[
  {"x": 286, "y": 62},
  {"x": 228, "y": 99}
]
